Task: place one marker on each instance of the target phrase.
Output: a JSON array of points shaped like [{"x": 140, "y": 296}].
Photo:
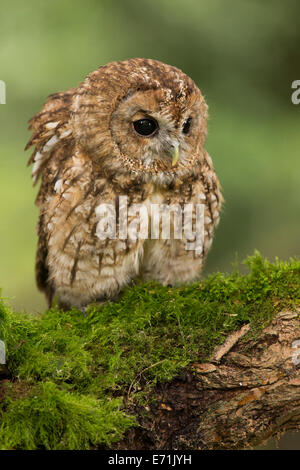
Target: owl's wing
[
  {"x": 51, "y": 126},
  {"x": 51, "y": 138},
  {"x": 41, "y": 267}
]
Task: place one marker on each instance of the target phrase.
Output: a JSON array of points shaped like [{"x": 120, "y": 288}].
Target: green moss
[
  {"x": 71, "y": 371},
  {"x": 49, "y": 418}
]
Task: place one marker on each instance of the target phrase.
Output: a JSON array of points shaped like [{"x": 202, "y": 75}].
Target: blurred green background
[{"x": 243, "y": 55}]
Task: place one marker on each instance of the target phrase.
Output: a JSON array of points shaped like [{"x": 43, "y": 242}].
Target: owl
[{"x": 128, "y": 139}]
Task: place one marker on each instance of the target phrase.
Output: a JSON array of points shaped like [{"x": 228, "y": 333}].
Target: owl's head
[{"x": 141, "y": 116}]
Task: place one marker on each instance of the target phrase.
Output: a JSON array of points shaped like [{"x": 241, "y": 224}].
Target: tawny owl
[{"x": 131, "y": 136}]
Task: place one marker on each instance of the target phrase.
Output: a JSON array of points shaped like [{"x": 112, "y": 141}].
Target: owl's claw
[
  {"x": 83, "y": 310},
  {"x": 98, "y": 303}
]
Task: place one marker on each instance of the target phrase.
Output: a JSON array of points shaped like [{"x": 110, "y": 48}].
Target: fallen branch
[
  {"x": 251, "y": 394},
  {"x": 214, "y": 365}
]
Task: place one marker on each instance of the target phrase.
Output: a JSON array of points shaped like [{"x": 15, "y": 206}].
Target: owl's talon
[{"x": 83, "y": 310}]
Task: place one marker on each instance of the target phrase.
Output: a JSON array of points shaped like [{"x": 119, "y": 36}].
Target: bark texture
[{"x": 248, "y": 392}]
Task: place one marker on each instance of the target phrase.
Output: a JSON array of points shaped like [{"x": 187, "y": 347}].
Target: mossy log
[
  {"x": 212, "y": 365},
  {"x": 237, "y": 400}
]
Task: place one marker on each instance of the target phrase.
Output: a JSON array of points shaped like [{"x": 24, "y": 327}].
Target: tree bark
[{"x": 248, "y": 392}]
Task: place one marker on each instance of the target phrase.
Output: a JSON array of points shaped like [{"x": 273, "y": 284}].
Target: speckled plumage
[{"x": 87, "y": 153}]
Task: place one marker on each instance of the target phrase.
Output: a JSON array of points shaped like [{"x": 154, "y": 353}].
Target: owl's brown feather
[
  {"x": 87, "y": 153},
  {"x": 57, "y": 110}
]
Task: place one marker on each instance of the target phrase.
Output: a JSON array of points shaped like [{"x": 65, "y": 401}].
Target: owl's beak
[{"x": 175, "y": 154}]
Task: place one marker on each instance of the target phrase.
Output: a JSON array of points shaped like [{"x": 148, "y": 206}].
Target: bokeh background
[{"x": 244, "y": 56}]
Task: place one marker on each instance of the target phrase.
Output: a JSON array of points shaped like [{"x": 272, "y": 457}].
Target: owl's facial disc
[{"x": 156, "y": 133}]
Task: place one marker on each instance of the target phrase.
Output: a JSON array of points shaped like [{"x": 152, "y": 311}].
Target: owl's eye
[
  {"x": 145, "y": 127},
  {"x": 186, "y": 126}
]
